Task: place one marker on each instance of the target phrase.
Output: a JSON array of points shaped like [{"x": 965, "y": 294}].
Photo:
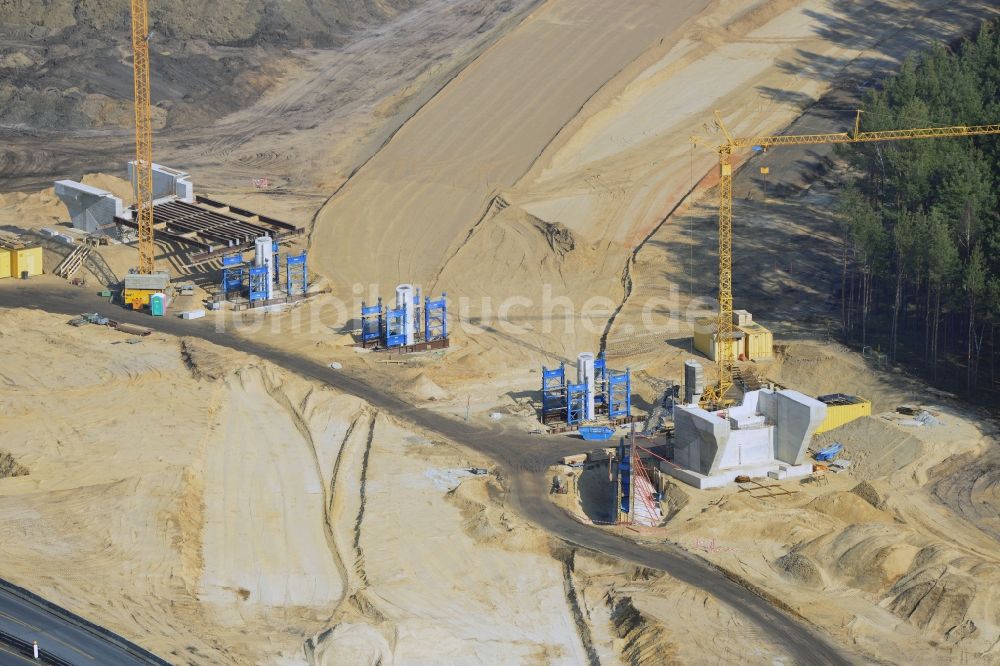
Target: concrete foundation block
[{"x": 92, "y": 210}]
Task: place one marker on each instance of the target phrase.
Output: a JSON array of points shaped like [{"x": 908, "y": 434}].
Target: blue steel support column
[
  {"x": 232, "y": 274},
  {"x": 277, "y": 264},
  {"x": 395, "y": 327},
  {"x": 435, "y": 319},
  {"x": 295, "y": 274},
  {"x": 553, "y": 392},
  {"x": 576, "y": 403},
  {"x": 600, "y": 383},
  {"x": 258, "y": 283},
  {"x": 624, "y": 477},
  {"x": 371, "y": 323}
]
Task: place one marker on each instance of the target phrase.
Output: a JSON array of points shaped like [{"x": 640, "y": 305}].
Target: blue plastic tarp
[{"x": 830, "y": 452}]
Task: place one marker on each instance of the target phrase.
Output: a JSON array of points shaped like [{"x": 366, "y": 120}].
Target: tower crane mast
[
  {"x": 725, "y": 329},
  {"x": 143, "y": 136}
]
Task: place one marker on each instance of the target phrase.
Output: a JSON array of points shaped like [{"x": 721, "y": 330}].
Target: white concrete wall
[
  {"x": 92, "y": 210},
  {"x": 796, "y": 417},
  {"x": 748, "y": 447},
  {"x": 700, "y": 439},
  {"x": 167, "y": 182}
]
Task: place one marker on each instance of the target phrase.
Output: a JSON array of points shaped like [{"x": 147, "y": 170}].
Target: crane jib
[{"x": 715, "y": 395}]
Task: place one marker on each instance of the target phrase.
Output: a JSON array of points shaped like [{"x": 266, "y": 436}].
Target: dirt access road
[
  {"x": 411, "y": 205},
  {"x": 522, "y": 459}
]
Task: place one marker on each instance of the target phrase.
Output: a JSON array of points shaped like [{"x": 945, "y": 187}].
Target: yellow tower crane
[
  {"x": 716, "y": 395},
  {"x": 143, "y": 136}
]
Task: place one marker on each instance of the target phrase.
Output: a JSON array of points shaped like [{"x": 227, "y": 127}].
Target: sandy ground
[
  {"x": 897, "y": 556},
  {"x": 342, "y": 530},
  {"x": 264, "y": 519},
  {"x": 232, "y": 530}
]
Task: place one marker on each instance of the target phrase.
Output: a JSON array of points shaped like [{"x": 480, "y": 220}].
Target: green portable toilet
[{"x": 157, "y": 304}]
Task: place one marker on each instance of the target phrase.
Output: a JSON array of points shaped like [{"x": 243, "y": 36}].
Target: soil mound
[
  {"x": 849, "y": 508},
  {"x": 876, "y": 447},
  {"x": 874, "y": 492},
  {"x": 801, "y": 569},
  {"x": 645, "y": 641},
  {"x": 424, "y": 388},
  {"x": 10, "y": 467}
]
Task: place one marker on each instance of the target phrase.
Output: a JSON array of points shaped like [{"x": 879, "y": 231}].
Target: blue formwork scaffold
[
  {"x": 576, "y": 403},
  {"x": 233, "y": 275},
  {"x": 258, "y": 284},
  {"x": 566, "y": 403},
  {"x": 411, "y": 325},
  {"x": 241, "y": 278},
  {"x": 296, "y": 276},
  {"x": 553, "y": 393},
  {"x": 600, "y": 384},
  {"x": 436, "y": 318},
  {"x": 624, "y": 478},
  {"x": 371, "y": 324},
  {"x": 395, "y": 327},
  {"x": 277, "y": 262},
  {"x": 619, "y": 394}
]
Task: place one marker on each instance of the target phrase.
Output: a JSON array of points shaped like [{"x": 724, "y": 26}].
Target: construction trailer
[
  {"x": 18, "y": 259},
  {"x": 748, "y": 341},
  {"x": 411, "y": 325},
  {"x": 599, "y": 394},
  {"x": 842, "y": 409}
]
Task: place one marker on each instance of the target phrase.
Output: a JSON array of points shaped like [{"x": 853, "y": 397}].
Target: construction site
[{"x": 469, "y": 332}]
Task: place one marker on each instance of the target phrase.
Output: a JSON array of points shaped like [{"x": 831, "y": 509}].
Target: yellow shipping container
[
  {"x": 26, "y": 259},
  {"x": 704, "y": 339},
  {"x": 758, "y": 342},
  {"x": 842, "y": 409},
  {"x": 4, "y": 263},
  {"x": 753, "y": 341}
]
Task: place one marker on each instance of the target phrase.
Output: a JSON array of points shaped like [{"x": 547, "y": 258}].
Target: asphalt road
[
  {"x": 59, "y": 634},
  {"x": 521, "y": 457}
]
